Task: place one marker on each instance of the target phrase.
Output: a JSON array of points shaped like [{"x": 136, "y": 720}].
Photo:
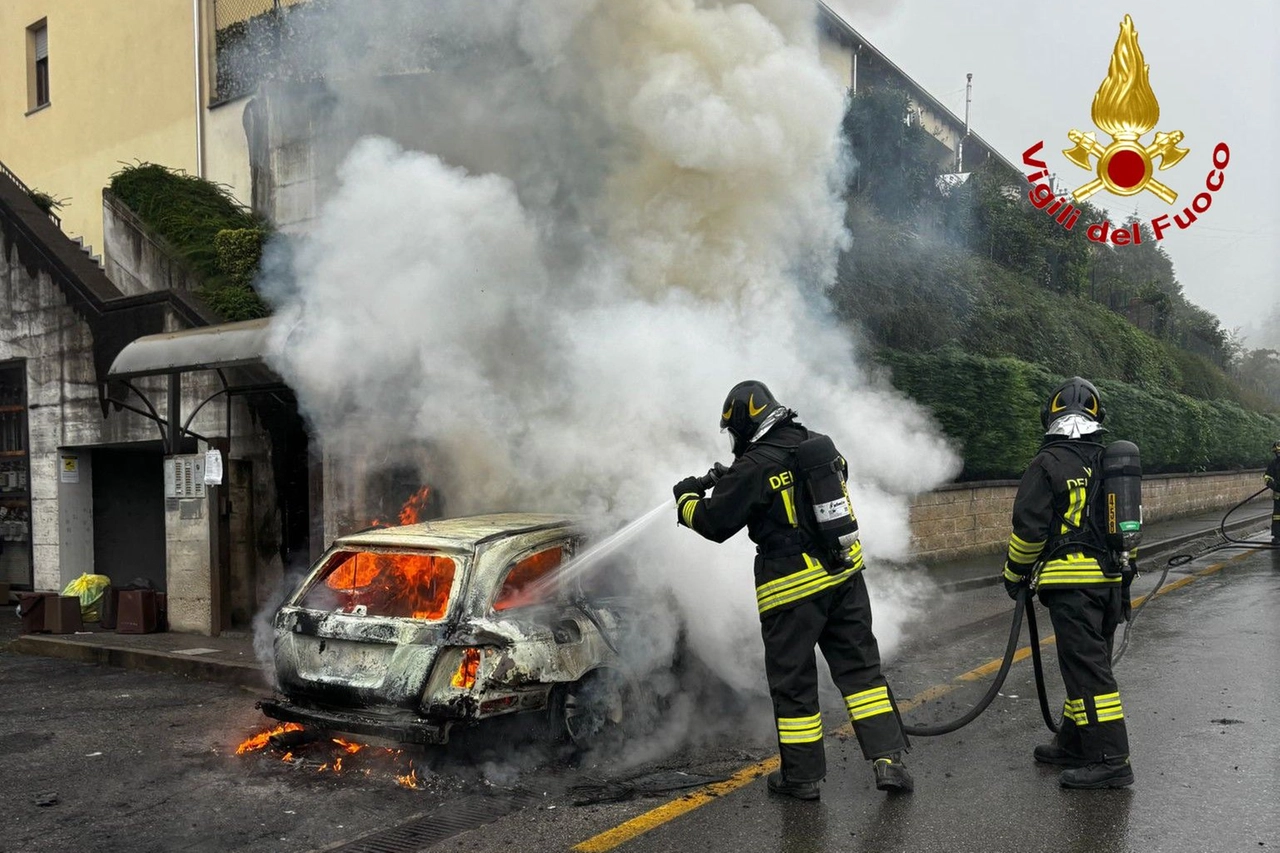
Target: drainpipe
[{"x": 198, "y": 54}]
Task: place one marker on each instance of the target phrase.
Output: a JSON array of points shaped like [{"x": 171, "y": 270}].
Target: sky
[{"x": 1215, "y": 69}]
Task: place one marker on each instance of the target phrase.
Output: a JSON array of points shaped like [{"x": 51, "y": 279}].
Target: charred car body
[{"x": 407, "y": 632}]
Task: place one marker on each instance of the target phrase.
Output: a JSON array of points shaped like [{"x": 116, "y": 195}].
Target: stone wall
[{"x": 970, "y": 519}]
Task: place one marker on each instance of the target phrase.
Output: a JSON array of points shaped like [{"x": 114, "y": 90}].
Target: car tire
[{"x": 594, "y": 710}]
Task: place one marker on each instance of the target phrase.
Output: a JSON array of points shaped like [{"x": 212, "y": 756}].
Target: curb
[
  {"x": 223, "y": 672},
  {"x": 1160, "y": 548}
]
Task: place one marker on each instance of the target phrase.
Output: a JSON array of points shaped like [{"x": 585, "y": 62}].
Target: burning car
[{"x": 407, "y": 632}]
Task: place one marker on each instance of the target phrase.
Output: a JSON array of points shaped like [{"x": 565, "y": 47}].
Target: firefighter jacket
[
  {"x": 1053, "y": 522},
  {"x": 1272, "y": 475},
  {"x": 760, "y": 491}
]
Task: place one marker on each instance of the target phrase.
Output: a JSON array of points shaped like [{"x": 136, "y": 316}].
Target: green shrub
[
  {"x": 991, "y": 408},
  {"x": 220, "y": 239},
  {"x": 239, "y": 250}
]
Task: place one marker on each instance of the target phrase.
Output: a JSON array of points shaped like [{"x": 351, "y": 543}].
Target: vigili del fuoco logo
[{"x": 1125, "y": 108}]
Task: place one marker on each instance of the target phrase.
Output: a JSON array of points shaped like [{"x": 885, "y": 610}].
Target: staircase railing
[{"x": 4, "y": 170}]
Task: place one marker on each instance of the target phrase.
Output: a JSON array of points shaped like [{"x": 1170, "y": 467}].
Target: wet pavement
[{"x": 1200, "y": 685}]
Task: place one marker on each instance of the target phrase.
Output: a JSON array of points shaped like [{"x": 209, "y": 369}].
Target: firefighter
[
  {"x": 1272, "y": 479},
  {"x": 806, "y": 597},
  {"x": 1056, "y": 530}
]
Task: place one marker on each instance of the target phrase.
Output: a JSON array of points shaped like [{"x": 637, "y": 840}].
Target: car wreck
[{"x": 405, "y": 633}]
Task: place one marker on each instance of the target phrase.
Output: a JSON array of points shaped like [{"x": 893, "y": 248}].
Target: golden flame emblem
[{"x": 1125, "y": 108}]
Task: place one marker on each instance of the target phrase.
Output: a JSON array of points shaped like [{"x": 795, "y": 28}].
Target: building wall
[
  {"x": 121, "y": 89},
  {"x": 969, "y": 519}
]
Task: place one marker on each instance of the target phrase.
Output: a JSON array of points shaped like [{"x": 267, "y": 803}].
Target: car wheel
[{"x": 594, "y": 709}]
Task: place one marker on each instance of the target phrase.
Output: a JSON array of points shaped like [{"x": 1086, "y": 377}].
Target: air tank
[{"x": 1122, "y": 494}]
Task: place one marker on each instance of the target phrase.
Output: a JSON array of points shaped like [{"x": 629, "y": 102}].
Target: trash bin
[
  {"x": 62, "y": 614},
  {"x": 137, "y": 613}
]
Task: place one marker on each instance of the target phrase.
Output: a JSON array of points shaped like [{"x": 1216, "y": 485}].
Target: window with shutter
[{"x": 40, "y": 67}]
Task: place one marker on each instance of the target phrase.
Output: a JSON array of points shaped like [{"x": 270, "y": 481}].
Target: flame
[
  {"x": 410, "y": 779},
  {"x": 351, "y": 748},
  {"x": 415, "y": 506},
  {"x": 413, "y": 585},
  {"x": 260, "y": 740},
  {"x": 337, "y": 765},
  {"x": 1125, "y": 105},
  {"x": 411, "y": 512},
  {"x": 288, "y": 756}
]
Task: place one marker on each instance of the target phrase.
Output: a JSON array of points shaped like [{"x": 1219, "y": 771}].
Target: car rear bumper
[{"x": 404, "y": 728}]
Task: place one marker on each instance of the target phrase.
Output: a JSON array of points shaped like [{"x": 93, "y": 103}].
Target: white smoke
[{"x": 623, "y": 209}]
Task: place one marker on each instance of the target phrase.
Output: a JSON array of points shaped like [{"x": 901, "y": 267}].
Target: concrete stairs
[{"x": 88, "y": 250}]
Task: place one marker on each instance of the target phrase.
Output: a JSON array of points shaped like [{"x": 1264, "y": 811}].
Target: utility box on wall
[{"x": 189, "y": 545}]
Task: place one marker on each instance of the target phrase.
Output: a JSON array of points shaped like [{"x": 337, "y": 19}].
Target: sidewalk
[{"x": 230, "y": 658}]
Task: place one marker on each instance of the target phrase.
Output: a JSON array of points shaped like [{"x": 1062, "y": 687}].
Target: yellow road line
[{"x": 669, "y": 811}]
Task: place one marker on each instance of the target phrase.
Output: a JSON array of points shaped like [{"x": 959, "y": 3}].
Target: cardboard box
[
  {"x": 62, "y": 614},
  {"x": 137, "y": 613}
]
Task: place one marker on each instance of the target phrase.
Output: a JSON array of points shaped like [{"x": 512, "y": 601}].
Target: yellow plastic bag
[{"x": 89, "y": 589}]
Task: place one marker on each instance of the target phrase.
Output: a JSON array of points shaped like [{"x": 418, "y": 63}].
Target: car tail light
[{"x": 465, "y": 677}]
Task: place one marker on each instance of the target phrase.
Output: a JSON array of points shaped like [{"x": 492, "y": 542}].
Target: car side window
[{"x": 531, "y": 578}]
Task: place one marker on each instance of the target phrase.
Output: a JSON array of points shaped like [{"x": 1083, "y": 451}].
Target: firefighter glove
[
  {"x": 1013, "y": 587},
  {"x": 689, "y": 485}
]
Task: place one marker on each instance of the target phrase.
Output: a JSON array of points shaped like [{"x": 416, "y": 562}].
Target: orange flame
[
  {"x": 260, "y": 740},
  {"x": 410, "y": 779},
  {"x": 413, "y": 508},
  {"x": 1125, "y": 104},
  {"x": 413, "y": 585},
  {"x": 351, "y": 748}
]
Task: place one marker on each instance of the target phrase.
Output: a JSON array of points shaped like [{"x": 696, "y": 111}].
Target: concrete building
[{"x": 856, "y": 60}]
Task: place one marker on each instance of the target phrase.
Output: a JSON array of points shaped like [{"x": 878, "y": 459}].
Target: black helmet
[
  {"x": 1275, "y": 446},
  {"x": 1076, "y": 396},
  {"x": 747, "y": 407}
]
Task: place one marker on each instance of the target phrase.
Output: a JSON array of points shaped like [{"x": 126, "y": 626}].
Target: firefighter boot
[
  {"x": 1052, "y": 753},
  {"x": 1112, "y": 773},
  {"x": 778, "y": 784},
  {"x": 892, "y": 775}
]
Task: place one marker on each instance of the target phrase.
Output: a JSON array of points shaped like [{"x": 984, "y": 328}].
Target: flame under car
[{"x": 407, "y": 632}]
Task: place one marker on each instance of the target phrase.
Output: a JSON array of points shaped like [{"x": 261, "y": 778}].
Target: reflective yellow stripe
[
  {"x": 812, "y": 570},
  {"x": 1011, "y": 575},
  {"x": 868, "y": 703},
  {"x": 1073, "y": 710},
  {"x": 800, "y": 729},
  {"x": 790, "y": 594},
  {"x": 1074, "y": 569},
  {"x": 1022, "y": 551},
  {"x": 789, "y": 501},
  {"x": 686, "y": 510},
  {"x": 1075, "y": 510},
  {"x": 1107, "y": 707}
]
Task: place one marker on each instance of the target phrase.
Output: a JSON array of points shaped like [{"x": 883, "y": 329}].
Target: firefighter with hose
[
  {"x": 1061, "y": 547},
  {"x": 1272, "y": 479},
  {"x": 787, "y": 487}
]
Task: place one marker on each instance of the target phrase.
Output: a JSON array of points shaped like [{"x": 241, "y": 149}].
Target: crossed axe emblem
[{"x": 1125, "y": 166}]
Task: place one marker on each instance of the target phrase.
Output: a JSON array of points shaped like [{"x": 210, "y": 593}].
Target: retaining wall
[{"x": 968, "y": 519}]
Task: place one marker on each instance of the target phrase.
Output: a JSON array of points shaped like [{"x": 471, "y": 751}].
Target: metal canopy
[{"x": 205, "y": 348}]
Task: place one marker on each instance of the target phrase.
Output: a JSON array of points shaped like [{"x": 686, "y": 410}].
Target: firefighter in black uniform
[
  {"x": 1055, "y": 530},
  {"x": 802, "y": 602},
  {"x": 1272, "y": 479}
]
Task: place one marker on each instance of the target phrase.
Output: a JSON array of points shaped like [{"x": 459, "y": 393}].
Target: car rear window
[
  {"x": 521, "y": 585},
  {"x": 412, "y": 585}
]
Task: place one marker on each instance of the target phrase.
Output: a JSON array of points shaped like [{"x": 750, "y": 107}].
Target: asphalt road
[{"x": 1200, "y": 686}]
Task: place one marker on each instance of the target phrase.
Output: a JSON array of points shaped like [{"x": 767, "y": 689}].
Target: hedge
[
  {"x": 218, "y": 237},
  {"x": 990, "y": 407}
]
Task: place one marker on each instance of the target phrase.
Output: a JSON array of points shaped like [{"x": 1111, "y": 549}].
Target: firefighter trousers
[
  {"x": 837, "y": 621},
  {"x": 1275, "y": 515},
  {"x": 1085, "y": 622}
]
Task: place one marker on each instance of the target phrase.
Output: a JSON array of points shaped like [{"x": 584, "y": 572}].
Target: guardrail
[{"x": 4, "y": 170}]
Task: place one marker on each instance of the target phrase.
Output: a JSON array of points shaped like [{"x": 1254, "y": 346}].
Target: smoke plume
[{"x": 599, "y": 216}]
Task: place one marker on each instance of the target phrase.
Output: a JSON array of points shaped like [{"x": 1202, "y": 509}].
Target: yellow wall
[{"x": 121, "y": 89}]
